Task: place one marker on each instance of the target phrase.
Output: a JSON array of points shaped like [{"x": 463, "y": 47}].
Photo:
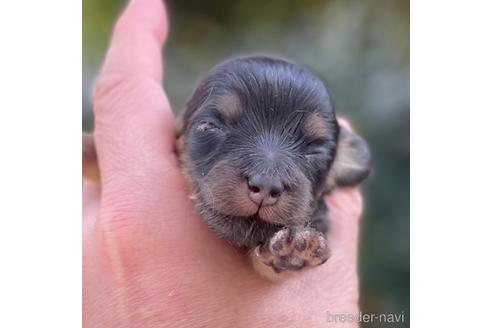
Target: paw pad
[{"x": 295, "y": 248}]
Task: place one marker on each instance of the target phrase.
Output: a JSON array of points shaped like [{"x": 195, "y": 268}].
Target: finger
[
  {"x": 345, "y": 210},
  {"x": 344, "y": 123},
  {"x": 134, "y": 129},
  {"x": 137, "y": 40}
]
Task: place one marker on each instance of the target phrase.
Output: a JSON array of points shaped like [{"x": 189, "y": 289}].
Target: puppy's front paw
[{"x": 292, "y": 249}]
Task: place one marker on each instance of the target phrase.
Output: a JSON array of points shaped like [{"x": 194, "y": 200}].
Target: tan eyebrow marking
[
  {"x": 315, "y": 126},
  {"x": 229, "y": 106}
]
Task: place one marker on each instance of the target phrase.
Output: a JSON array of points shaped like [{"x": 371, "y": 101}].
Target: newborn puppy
[{"x": 260, "y": 145}]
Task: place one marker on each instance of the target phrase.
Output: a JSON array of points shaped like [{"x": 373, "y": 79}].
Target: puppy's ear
[{"x": 352, "y": 162}]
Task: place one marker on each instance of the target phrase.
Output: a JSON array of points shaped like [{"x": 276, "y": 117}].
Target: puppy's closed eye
[
  {"x": 316, "y": 147},
  {"x": 207, "y": 126}
]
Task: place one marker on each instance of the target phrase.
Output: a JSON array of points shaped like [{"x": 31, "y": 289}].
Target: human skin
[{"x": 148, "y": 258}]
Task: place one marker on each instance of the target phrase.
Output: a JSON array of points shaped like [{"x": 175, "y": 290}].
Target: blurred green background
[{"x": 361, "y": 50}]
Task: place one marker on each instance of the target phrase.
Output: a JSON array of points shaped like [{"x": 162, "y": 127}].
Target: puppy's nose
[{"x": 263, "y": 190}]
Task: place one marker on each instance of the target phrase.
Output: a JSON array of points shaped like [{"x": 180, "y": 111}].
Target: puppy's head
[{"x": 258, "y": 138}]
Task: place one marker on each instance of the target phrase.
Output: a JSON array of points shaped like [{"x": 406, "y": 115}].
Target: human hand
[{"x": 149, "y": 260}]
